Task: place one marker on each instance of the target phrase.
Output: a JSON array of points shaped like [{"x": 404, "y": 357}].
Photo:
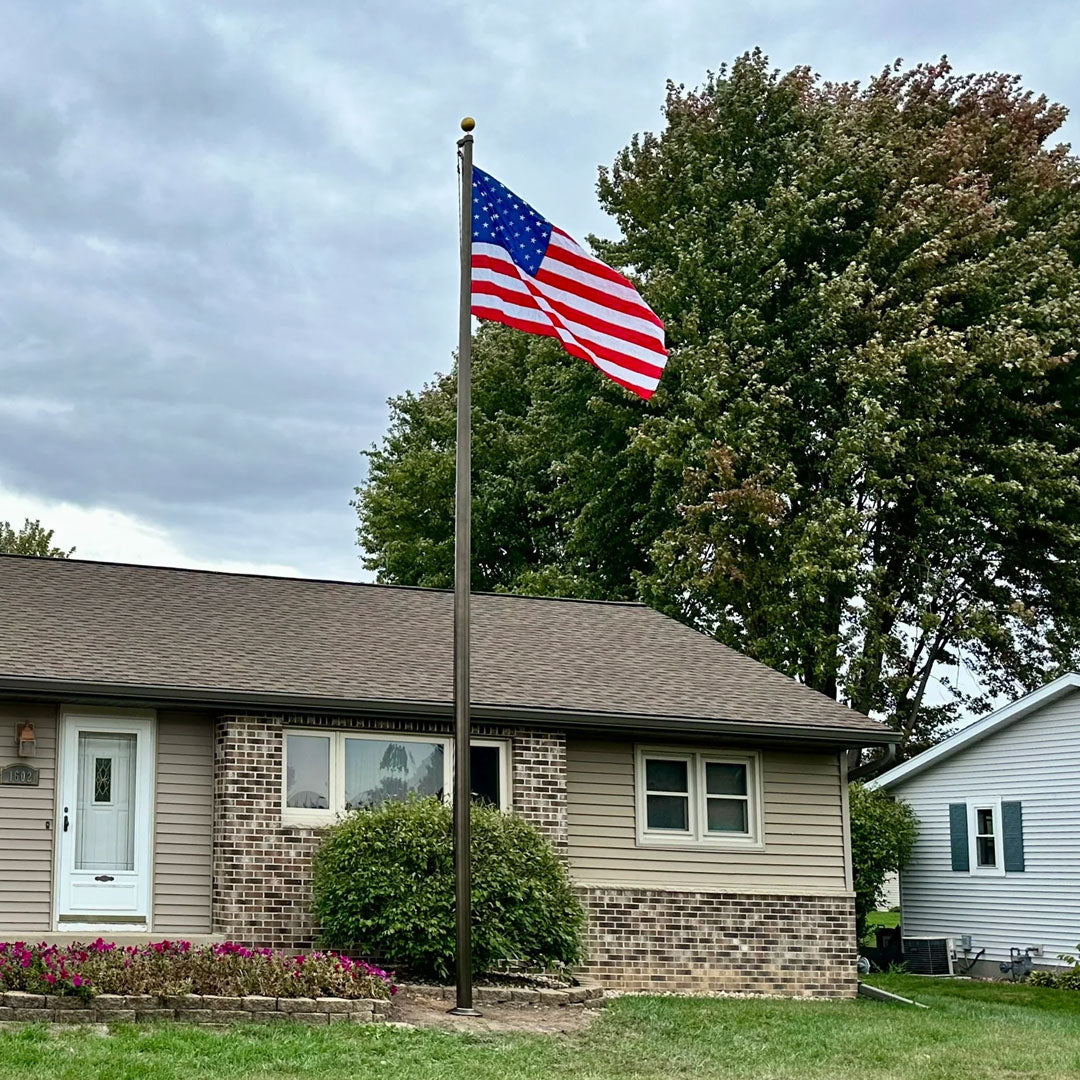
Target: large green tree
[
  {"x": 32, "y": 539},
  {"x": 861, "y": 465},
  {"x": 558, "y": 500}
]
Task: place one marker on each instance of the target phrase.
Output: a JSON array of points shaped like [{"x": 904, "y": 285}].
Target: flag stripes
[
  {"x": 527, "y": 303},
  {"x": 561, "y": 291}
]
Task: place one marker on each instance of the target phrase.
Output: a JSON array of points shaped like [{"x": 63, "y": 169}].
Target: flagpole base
[{"x": 459, "y": 1011}]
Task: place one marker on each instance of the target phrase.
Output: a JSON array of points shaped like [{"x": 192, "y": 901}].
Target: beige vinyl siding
[
  {"x": 26, "y": 819},
  {"x": 183, "y": 822},
  {"x": 803, "y": 824}
]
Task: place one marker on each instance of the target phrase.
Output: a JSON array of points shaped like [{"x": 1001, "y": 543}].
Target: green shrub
[
  {"x": 1067, "y": 979},
  {"x": 1056, "y": 980},
  {"x": 883, "y": 834},
  {"x": 384, "y": 885}
]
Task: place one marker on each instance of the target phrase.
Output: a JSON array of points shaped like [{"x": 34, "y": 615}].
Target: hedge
[{"x": 384, "y": 887}]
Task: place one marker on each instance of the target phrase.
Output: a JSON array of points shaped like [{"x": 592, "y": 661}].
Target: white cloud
[
  {"x": 98, "y": 532},
  {"x": 23, "y": 407}
]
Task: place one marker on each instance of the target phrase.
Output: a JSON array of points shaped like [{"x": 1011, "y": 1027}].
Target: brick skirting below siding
[{"x": 795, "y": 946}]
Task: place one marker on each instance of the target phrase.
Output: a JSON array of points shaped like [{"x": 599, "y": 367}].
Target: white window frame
[
  {"x": 293, "y": 815},
  {"x": 645, "y": 834},
  {"x": 697, "y": 836},
  {"x": 506, "y": 795},
  {"x": 998, "y": 869}
]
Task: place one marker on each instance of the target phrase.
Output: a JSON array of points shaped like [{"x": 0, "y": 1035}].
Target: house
[
  {"x": 890, "y": 892},
  {"x": 176, "y": 738},
  {"x": 997, "y": 863}
]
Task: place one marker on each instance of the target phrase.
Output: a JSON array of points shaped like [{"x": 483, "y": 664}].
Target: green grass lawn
[
  {"x": 883, "y": 918},
  {"x": 973, "y": 1030},
  {"x": 879, "y": 918}
]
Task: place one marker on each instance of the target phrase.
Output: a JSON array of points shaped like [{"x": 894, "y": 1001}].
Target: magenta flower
[{"x": 160, "y": 966}]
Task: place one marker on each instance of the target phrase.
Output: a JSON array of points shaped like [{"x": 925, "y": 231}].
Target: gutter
[{"x": 119, "y": 693}]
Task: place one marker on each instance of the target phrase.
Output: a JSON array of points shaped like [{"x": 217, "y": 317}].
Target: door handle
[{"x": 65, "y": 819}]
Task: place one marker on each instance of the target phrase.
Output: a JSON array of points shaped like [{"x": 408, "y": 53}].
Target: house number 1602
[{"x": 20, "y": 775}]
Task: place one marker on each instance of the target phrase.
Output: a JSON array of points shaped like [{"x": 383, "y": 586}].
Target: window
[
  {"x": 985, "y": 837},
  {"x": 103, "y": 780},
  {"x": 380, "y": 770},
  {"x": 307, "y": 774},
  {"x": 985, "y": 854},
  {"x": 329, "y": 772},
  {"x": 489, "y": 785},
  {"x": 697, "y": 798},
  {"x": 667, "y": 794},
  {"x": 727, "y": 802}
]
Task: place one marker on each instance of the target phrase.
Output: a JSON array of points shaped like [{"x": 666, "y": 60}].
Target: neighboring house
[
  {"x": 997, "y": 863},
  {"x": 890, "y": 892},
  {"x": 191, "y": 731}
]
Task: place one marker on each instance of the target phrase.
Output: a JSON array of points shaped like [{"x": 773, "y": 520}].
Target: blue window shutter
[
  {"x": 1012, "y": 828},
  {"x": 958, "y": 836}
]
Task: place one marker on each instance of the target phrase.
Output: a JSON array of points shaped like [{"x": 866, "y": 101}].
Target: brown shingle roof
[{"x": 75, "y": 622}]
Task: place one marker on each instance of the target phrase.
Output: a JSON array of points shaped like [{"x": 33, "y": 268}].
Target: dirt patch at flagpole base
[{"x": 421, "y": 1012}]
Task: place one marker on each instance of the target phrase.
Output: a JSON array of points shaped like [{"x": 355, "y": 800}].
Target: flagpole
[{"x": 462, "y": 585}]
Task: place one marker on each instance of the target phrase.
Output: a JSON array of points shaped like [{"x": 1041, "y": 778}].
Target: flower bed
[{"x": 177, "y": 968}]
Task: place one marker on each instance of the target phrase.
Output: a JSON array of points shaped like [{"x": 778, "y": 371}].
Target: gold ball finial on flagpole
[{"x": 467, "y": 123}]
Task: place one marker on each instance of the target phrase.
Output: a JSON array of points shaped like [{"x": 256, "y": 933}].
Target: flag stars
[{"x": 502, "y": 218}]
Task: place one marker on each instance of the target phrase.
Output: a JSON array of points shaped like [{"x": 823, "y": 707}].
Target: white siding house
[
  {"x": 998, "y": 854},
  {"x": 890, "y": 892}
]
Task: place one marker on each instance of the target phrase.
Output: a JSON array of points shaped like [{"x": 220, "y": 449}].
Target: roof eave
[
  {"x": 978, "y": 730},
  {"x": 837, "y": 737}
]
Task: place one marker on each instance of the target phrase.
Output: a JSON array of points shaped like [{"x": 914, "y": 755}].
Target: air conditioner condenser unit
[{"x": 928, "y": 955}]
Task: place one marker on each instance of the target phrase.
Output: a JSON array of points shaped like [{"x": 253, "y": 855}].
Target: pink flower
[{"x": 35, "y": 967}]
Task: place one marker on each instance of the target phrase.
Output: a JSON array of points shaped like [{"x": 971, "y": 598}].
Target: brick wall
[
  {"x": 796, "y": 946},
  {"x": 539, "y": 782},
  {"x": 262, "y": 868}
]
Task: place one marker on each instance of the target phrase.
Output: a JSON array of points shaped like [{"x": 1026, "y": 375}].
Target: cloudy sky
[{"x": 228, "y": 231}]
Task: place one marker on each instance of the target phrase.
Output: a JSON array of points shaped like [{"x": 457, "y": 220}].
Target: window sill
[
  {"x": 319, "y": 819},
  {"x": 663, "y": 843}
]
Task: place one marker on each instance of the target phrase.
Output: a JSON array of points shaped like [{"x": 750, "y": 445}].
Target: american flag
[{"x": 530, "y": 275}]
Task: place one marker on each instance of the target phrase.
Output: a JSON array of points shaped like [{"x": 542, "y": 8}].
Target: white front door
[{"x": 103, "y": 822}]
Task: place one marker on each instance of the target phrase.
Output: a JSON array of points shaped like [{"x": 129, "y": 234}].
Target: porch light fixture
[{"x": 25, "y": 739}]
